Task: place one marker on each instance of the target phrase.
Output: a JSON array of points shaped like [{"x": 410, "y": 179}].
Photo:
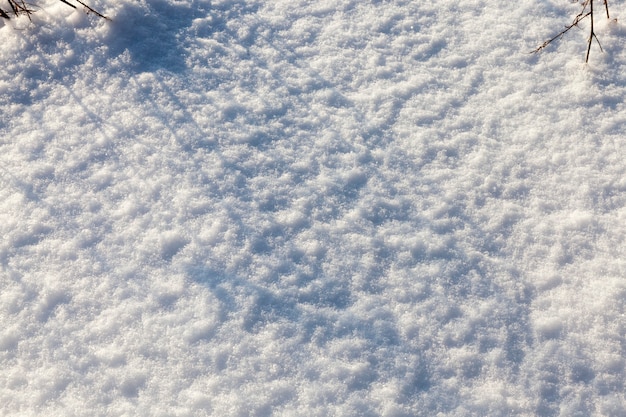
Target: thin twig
[
  {"x": 575, "y": 23},
  {"x": 69, "y": 4},
  {"x": 19, "y": 7},
  {"x": 92, "y": 10},
  {"x": 579, "y": 17},
  {"x": 591, "y": 34}
]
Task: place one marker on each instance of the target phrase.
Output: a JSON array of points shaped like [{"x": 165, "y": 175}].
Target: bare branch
[
  {"x": 577, "y": 20},
  {"x": 586, "y": 11},
  {"x": 90, "y": 10},
  {"x": 69, "y": 4},
  {"x": 19, "y": 7}
]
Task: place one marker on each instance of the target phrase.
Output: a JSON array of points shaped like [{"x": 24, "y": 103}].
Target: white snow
[{"x": 296, "y": 208}]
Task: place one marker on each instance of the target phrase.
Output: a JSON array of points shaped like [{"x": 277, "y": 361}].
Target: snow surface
[{"x": 312, "y": 208}]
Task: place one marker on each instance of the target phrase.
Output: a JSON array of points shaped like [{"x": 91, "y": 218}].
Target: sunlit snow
[{"x": 312, "y": 208}]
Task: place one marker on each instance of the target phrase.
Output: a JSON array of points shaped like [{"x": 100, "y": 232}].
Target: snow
[{"x": 330, "y": 208}]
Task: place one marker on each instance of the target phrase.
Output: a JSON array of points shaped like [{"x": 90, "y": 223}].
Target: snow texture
[{"x": 312, "y": 208}]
